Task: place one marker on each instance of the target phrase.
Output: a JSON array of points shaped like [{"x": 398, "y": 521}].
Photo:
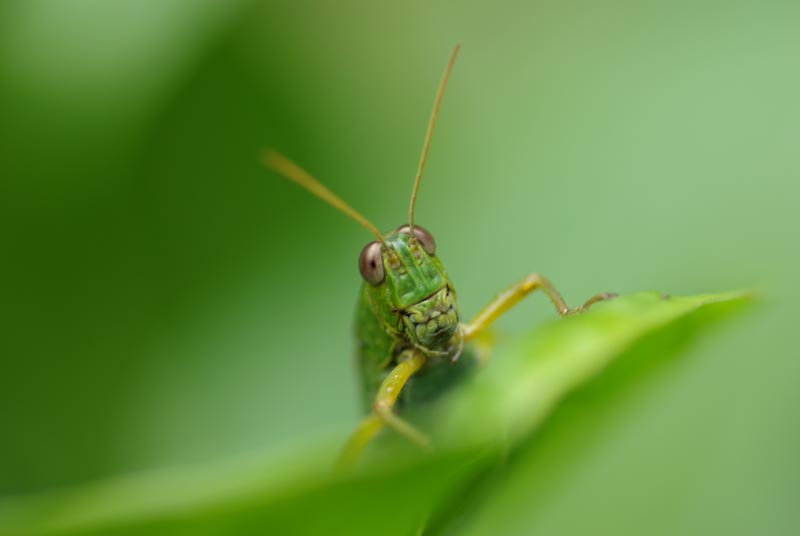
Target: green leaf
[
  {"x": 521, "y": 387},
  {"x": 398, "y": 489}
]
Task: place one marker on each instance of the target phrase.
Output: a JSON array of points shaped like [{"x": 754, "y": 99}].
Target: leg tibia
[
  {"x": 410, "y": 362},
  {"x": 514, "y": 294}
]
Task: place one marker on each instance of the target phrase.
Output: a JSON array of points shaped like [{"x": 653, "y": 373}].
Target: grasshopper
[{"x": 412, "y": 344}]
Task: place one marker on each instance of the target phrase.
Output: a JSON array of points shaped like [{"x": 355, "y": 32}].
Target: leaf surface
[{"x": 397, "y": 489}]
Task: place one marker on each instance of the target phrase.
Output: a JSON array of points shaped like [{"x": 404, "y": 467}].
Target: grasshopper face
[{"x": 409, "y": 289}]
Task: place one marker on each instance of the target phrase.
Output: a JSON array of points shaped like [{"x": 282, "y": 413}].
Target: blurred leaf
[
  {"x": 522, "y": 385},
  {"x": 393, "y": 494}
]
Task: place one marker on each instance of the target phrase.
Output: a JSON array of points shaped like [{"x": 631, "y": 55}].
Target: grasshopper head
[
  {"x": 409, "y": 289},
  {"x": 405, "y": 281}
]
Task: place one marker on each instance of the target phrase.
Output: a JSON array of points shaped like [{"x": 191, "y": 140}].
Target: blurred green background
[{"x": 166, "y": 301}]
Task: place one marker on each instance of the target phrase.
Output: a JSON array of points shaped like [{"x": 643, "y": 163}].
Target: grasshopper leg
[
  {"x": 410, "y": 362},
  {"x": 369, "y": 426},
  {"x": 510, "y": 297}
]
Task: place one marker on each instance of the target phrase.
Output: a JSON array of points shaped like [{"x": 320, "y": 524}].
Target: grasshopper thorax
[{"x": 409, "y": 289}]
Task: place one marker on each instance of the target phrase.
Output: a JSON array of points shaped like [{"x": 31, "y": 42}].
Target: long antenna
[
  {"x": 295, "y": 173},
  {"x": 427, "y": 144}
]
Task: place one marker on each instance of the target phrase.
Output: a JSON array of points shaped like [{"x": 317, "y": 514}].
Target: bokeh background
[{"x": 166, "y": 301}]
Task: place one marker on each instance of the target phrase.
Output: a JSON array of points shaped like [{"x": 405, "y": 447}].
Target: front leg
[
  {"x": 514, "y": 294},
  {"x": 410, "y": 361}
]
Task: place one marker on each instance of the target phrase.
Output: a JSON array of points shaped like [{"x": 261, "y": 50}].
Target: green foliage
[{"x": 482, "y": 432}]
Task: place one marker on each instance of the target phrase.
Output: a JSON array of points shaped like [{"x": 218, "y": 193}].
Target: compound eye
[
  {"x": 423, "y": 237},
  {"x": 370, "y": 263}
]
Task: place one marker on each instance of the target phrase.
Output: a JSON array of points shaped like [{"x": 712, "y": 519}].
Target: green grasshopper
[{"x": 411, "y": 343}]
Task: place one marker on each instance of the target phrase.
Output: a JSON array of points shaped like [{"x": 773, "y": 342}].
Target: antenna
[
  {"x": 295, "y": 173},
  {"x": 427, "y": 144}
]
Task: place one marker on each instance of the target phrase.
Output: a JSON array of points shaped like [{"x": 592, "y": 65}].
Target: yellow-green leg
[
  {"x": 410, "y": 362},
  {"x": 355, "y": 446},
  {"x": 514, "y": 294}
]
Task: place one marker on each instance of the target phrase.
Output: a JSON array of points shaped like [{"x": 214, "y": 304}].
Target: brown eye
[
  {"x": 370, "y": 262},
  {"x": 423, "y": 237}
]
